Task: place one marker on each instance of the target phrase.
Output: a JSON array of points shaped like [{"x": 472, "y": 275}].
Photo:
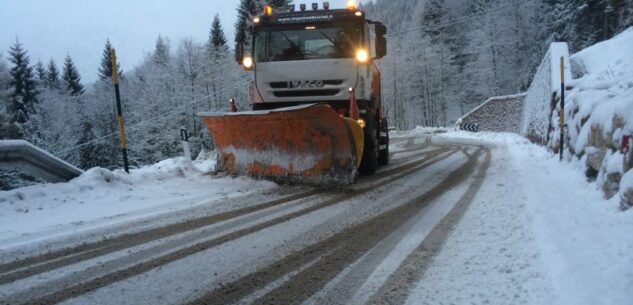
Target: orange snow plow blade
[{"x": 306, "y": 144}]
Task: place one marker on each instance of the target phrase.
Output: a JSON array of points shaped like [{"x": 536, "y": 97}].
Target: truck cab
[{"x": 301, "y": 56}]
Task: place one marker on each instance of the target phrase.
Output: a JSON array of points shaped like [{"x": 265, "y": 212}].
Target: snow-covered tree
[
  {"x": 71, "y": 78},
  {"x": 245, "y": 13},
  {"x": 40, "y": 71},
  {"x": 105, "y": 66},
  {"x": 279, "y": 4},
  {"x": 161, "y": 54},
  {"x": 217, "y": 39},
  {"x": 23, "y": 92},
  {"x": 52, "y": 76}
]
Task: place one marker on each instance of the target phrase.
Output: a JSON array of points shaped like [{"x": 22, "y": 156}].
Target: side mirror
[
  {"x": 381, "y": 29},
  {"x": 381, "y": 46},
  {"x": 239, "y": 53}
]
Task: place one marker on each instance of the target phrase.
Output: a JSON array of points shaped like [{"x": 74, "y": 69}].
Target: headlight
[
  {"x": 362, "y": 56},
  {"x": 248, "y": 62}
]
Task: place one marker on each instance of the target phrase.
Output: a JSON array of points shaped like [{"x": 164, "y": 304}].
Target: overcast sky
[{"x": 53, "y": 28}]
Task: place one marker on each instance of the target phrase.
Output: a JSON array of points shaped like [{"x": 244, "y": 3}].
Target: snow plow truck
[{"x": 316, "y": 99}]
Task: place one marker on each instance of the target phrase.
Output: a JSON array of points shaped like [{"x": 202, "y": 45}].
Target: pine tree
[
  {"x": 23, "y": 96},
  {"x": 217, "y": 39},
  {"x": 583, "y": 23},
  {"x": 41, "y": 74},
  {"x": 4, "y": 77},
  {"x": 105, "y": 68},
  {"x": 52, "y": 76},
  {"x": 71, "y": 78},
  {"x": 5, "y": 124},
  {"x": 161, "y": 53},
  {"x": 280, "y": 4},
  {"x": 88, "y": 154},
  {"x": 245, "y": 12}
]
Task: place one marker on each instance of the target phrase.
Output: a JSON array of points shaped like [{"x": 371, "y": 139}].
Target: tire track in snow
[
  {"x": 350, "y": 245},
  {"x": 31, "y": 266},
  {"x": 396, "y": 289},
  {"x": 50, "y": 261},
  {"x": 70, "y": 288}
]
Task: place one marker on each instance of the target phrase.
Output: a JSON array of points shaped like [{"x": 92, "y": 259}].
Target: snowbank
[
  {"x": 600, "y": 109},
  {"x": 102, "y": 196},
  {"x": 584, "y": 242}
]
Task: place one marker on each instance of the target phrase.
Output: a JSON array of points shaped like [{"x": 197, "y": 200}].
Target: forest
[{"x": 445, "y": 57}]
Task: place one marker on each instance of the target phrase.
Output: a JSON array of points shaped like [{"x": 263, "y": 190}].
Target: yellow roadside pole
[{"x": 115, "y": 78}]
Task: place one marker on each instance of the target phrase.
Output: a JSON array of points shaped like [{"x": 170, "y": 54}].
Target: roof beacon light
[
  {"x": 302, "y": 7},
  {"x": 351, "y": 4},
  {"x": 315, "y": 6},
  {"x": 269, "y": 10},
  {"x": 291, "y": 7},
  {"x": 326, "y": 5}
]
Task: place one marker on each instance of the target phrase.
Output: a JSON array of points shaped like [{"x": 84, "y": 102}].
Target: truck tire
[
  {"x": 383, "y": 144},
  {"x": 369, "y": 164}
]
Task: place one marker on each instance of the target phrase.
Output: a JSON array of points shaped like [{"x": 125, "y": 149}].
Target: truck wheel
[
  {"x": 369, "y": 164},
  {"x": 383, "y": 144}
]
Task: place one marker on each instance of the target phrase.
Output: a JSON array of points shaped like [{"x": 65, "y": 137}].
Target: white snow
[
  {"x": 583, "y": 240},
  {"x": 605, "y": 88},
  {"x": 101, "y": 197},
  {"x": 607, "y": 57},
  {"x": 536, "y": 232},
  {"x": 626, "y": 184}
]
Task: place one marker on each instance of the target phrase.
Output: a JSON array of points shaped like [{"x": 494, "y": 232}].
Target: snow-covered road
[{"x": 451, "y": 220}]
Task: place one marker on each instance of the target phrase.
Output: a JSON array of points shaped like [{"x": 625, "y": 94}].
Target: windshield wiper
[
  {"x": 293, "y": 45},
  {"x": 327, "y": 37}
]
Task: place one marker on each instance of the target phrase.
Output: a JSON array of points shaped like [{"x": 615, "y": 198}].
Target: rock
[
  {"x": 612, "y": 184},
  {"x": 626, "y": 199},
  {"x": 595, "y": 157},
  {"x": 626, "y": 190},
  {"x": 618, "y": 122},
  {"x": 596, "y": 138}
]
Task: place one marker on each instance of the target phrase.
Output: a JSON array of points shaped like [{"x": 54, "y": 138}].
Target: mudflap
[
  {"x": 383, "y": 142},
  {"x": 309, "y": 144}
]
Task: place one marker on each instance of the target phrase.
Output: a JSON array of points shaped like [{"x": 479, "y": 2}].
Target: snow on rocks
[
  {"x": 102, "y": 196},
  {"x": 600, "y": 110},
  {"x": 626, "y": 191}
]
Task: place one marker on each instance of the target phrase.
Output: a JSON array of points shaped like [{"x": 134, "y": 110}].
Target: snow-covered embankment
[{"x": 600, "y": 114}]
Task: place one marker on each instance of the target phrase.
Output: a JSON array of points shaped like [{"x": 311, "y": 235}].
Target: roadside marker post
[
  {"x": 184, "y": 139},
  {"x": 115, "y": 78},
  {"x": 562, "y": 107},
  {"x": 232, "y": 104}
]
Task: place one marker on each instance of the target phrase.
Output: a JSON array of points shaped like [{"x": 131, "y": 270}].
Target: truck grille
[
  {"x": 303, "y": 93},
  {"x": 284, "y": 85}
]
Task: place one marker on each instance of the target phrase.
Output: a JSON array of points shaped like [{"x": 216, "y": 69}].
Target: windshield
[{"x": 304, "y": 44}]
